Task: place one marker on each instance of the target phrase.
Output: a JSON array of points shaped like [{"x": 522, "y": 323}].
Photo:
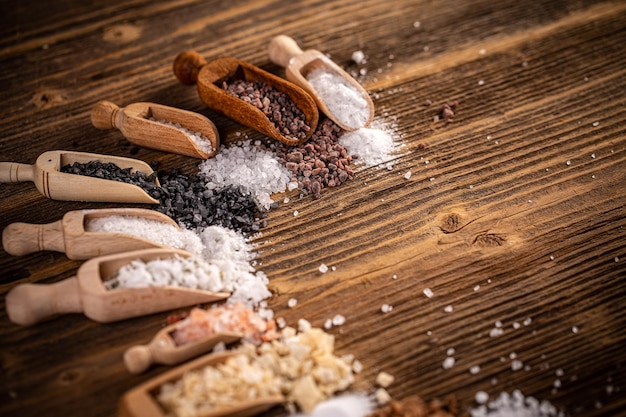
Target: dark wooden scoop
[{"x": 191, "y": 68}]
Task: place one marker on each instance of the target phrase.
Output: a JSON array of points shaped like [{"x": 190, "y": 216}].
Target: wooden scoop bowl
[
  {"x": 164, "y": 350},
  {"x": 69, "y": 236},
  {"x": 135, "y": 124},
  {"x": 284, "y": 51},
  {"x": 141, "y": 400},
  {"x": 28, "y": 304},
  {"x": 191, "y": 68},
  {"x": 52, "y": 183}
]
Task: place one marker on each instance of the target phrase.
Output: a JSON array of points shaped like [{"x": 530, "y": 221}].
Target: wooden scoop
[
  {"x": 52, "y": 183},
  {"x": 191, "y": 68},
  {"x": 164, "y": 350},
  {"x": 69, "y": 236},
  {"x": 28, "y": 304},
  {"x": 135, "y": 124},
  {"x": 284, "y": 51},
  {"x": 141, "y": 400}
]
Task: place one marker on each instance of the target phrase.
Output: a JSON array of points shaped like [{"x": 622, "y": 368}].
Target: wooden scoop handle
[
  {"x": 104, "y": 115},
  {"x": 138, "y": 358},
  {"x": 28, "y": 304},
  {"x": 187, "y": 65},
  {"x": 282, "y": 48},
  {"x": 23, "y": 238},
  {"x": 14, "y": 172}
]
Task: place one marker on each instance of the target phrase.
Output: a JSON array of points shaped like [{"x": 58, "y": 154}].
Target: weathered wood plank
[{"x": 505, "y": 231}]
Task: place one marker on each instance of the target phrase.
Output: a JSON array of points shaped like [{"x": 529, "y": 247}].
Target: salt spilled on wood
[
  {"x": 374, "y": 146},
  {"x": 513, "y": 405},
  {"x": 248, "y": 166},
  {"x": 342, "y": 99}
]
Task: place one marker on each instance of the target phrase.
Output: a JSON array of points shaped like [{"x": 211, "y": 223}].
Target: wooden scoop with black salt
[
  {"x": 28, "y": 304},
  {"x": 53, "y": 180},
  {"x": 154, "y": 126},
  {"x": 250, "y": 96}
]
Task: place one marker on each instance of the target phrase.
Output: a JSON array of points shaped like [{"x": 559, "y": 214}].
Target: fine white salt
[
  {"x": 373, "y": 146},
  {"x": 201, "y": 141},
  {"x": 161, "y": 233},
  {"x": 347, "y": 405},
  {"x": 258, "y": 172},
  {"x": 343, "y": 100}
]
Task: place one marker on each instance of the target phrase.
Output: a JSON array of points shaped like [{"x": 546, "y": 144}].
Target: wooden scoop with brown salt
[
  {"x": 336, "y": 93},
  {"x": 28, "y": 304},
  {"x": 152, "y": 126},
  {"x": 71, "y": 236},
  {"x": 51, "y": 182},
  {"x": 191, "y": 68}
]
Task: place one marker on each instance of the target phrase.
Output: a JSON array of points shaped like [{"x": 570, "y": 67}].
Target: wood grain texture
[{"x": 514, "y": 211}]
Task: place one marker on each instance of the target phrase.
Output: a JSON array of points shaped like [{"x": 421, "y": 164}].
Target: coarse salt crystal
[
  {"x": 358, "y": 57},
  {"x": 383, "y": 379},
  {"x": 323, "y": 268},
  {"x": 407, "y": 175},
  {"x": 516, "y": 365},
  {"x": 450, "y": 351},
  {"x": 574, "y": 329},
  {"x": 292, "y": 303},
  {"x": 448, "y": 309},
  {"x": 448, "y": 363},
  {"x": 339, "y": 320},
  {"x": 328, "y": 324},
  {"x": 481, "y": 397},
  {"x": 295, "y": 213},
  {"x": 474, "y": 369},
  {"x": 357, "y": 366},
  {"x": 428, "y": 293},
  {"x": 382, "y": 396},
  {"x": 527, "y": 321},
  {"x": 386, "y": 308}
]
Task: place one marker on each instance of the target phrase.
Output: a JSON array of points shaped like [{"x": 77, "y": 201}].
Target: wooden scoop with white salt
[
  {"x": 28, "y": 304},
  {"x": 72, "y": 234},
  {"x": 336, "y": 93},
  {"x": 51, "y": 182},
  {"x": 160, "y": 127}
]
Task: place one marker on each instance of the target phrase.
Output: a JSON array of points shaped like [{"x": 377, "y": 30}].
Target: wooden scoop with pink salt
[{"x": 198, "y": 333}]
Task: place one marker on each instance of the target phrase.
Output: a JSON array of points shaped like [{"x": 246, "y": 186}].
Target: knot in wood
[
  {"x": 450, "y": 223},
  {"x": 489, "y": 239}
]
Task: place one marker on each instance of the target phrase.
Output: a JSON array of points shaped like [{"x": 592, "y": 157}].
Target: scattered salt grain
[
  {"x": 292, "y": 302},
  {"x": 373, "y": 146},
  {"x": 357, "y": 366},
  {"x": 323, "y": 268},
  {"x": 295, "y": 213},
  {"x": 383, "y": 379},
  {"x": 495, "y": 332},
  {"x": 386, "y": 308},
  {"x": 574, "y": 329},
  {"x": 382, "y": 396},
  {"x": 359, "y": 57},
  {"x": 476, "y": 287},
  {"x": 428, "y": 293},
  {"x": 481, "y": 397},
  {"x": 342, "y": 99},
  {"x": 527, "y": 321},
  {"x": 347, "y": 405},
  {"x": 255, "y": 170},
  {"x": 450, "y": 351},
  {"x": 407, "y": 175},
  {"x": 201, "y": 141},
  {"x": 448, "y": 363},
  {"x": 448, "y": 309},
  {"x": 328, "y": 324},
  {"x": 339, "y": 320},
  {"x": 474, "y": 369},
  {"x": 568, "y": 163},
  {"x": 596, "y": 124},
  {"x": 516, "y": 365},
  {"x": 481, "y": 82},
  {"x": 616, "y": 259},
  {"x": 516, "y": 325}
]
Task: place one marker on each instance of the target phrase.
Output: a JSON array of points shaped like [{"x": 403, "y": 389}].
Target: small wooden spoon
[
  {"x": 191, "y": 68},
  {"x": 69, "y": 236},
  {"x": 141, "y": 402},
  {"x": 284, "y": 51},
  {"x": 135, "y": 124},
  {"x": 164, "y": 350},
  {"x": 28, "y": 304},
  {"x": 52, "y": 183}
]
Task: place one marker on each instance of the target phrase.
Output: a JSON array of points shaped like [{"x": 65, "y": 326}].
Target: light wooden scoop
[
  {"x": 135, "y": 124},
  {"x": 191, "y": 68},
  {"x": 141, "y": 400},
  {"x": 284, "y": 51},
  {"x": 52, "y": 183},
  {"x": 69, "y": 235},
  {"x": 28, "y": 304},
  {"x": 163, "y": 349}
]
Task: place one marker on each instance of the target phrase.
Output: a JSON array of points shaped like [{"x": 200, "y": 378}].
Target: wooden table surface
[{"x": 514, "y": 213}]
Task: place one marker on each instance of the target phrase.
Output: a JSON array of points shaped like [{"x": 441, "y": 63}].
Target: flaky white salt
[
  {"x": 513, "y": 405},
  {"x": 201, "y": 141},
  {"x": 345, "y": 102},
  {"x": 373, "y": 146},
  {"x": 161, "y": 233},
  {"x": 258, "y": 172}
]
